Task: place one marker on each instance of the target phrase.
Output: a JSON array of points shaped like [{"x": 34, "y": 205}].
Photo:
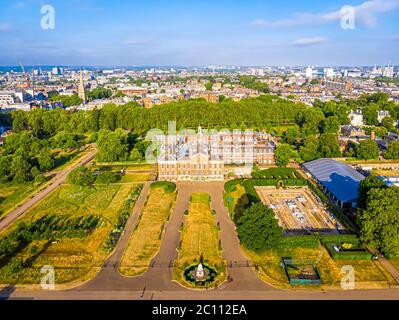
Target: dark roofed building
[{"x": 339, "y": 181}]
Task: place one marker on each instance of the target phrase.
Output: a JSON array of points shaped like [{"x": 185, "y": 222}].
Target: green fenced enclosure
[
  {"x": 355, "y": 252},
  {"x": 301, "y": 272}
]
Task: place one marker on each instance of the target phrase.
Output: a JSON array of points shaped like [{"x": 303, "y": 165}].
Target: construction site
[{"x": 299, "y": 210}]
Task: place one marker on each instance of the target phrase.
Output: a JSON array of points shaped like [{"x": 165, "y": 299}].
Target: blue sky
[{"x": 195, "y": 33}]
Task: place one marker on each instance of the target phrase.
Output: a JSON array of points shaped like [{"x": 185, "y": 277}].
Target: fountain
[{"x": 200, "y": 273}]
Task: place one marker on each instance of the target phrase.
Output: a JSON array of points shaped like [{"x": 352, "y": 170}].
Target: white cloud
[
  {"x": 309, "y": 41},
  {"x": 365, "y": 14}
]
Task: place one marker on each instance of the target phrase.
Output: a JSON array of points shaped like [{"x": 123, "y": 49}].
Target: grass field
[
  {"x": 200, "y": 237},
  {"x": 135, "y": 177},
  {"x": 12, "y": 194},
  {"x": 146, "y": 238},
  {"x": 368, "y": 274},
  {"x": 389, "y": 173},
  {"x": 72, "y": 258},
  {"x": 128, "y": 165}
]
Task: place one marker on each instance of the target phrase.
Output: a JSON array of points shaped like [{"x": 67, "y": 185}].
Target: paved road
[
  {"x": 157, "y": 282},
  {"x": 58, "y": 179},
  {"x": 132, "y": 294}
]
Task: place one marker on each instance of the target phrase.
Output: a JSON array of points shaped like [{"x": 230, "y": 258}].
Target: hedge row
[
  {"x": 358, "y": 253},
  {"x": 123, "y": 216},
  {"x": 169, "y": 187},
  {"x": 276, "y": 173},
  {"x": 289, "y": 242},
  {"x": 349, "y": 255},
  {"x": 313, "y": 241}
]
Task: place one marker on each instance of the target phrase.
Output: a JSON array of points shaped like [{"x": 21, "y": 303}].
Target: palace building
[{"x": 203, "y": 156}]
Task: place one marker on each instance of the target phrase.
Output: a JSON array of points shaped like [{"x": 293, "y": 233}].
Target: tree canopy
[
  {"x": 393, "y": 151},
  {"x": 283, "y": 154},
  {"x": 379, "y": 223},
  {"x": 367, "y": 150},
  {"x": 81, "y": 176},
  {"x": 258, "y": 228}
]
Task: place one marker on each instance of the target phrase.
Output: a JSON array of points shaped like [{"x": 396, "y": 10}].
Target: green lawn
[
  {"x": 72, "y": 258},
  {"x": 135, "y": 177},
  {"x": 12, "y": 194},
  {"x": 368, "y": 274}
]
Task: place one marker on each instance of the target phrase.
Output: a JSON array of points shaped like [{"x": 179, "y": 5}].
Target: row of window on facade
[
  {"x": 200, "y": 166},
  {"x": 195, "y": 174}
]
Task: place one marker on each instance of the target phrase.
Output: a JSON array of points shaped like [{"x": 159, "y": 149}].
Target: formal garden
[
  {"x": 200, "y": 247},
  {"x": 73, "y": 229},
  {"x": 146, "y": 238},
  {"x": 265, "y": 246},
  {"x": 310, "y": 251}
]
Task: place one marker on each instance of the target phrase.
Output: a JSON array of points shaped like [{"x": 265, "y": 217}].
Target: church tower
[{"x": 81, "y": 89}]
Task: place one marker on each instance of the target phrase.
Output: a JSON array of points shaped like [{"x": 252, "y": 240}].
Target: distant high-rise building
[
  {"x": 329, "y": 72},
  {"x": 309, "y": 73},
  {"x": 55, "y": 71},
  {"x": 387, "y": 71},
  {"x": 81, "y": 88}
]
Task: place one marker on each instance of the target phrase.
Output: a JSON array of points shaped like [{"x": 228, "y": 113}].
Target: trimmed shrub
[{"x": 168, "y": 187}]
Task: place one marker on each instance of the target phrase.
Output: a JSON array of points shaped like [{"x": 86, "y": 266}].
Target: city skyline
[{"x": 159, "y": 34}]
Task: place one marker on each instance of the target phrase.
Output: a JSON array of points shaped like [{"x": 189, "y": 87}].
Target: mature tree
[
  {"x": 328, "y": 146},
  {"x": 36, "y": 122},
  {"x": 95, "y": 119},
  {"x": 365, "y": 186},
  {"x": 330, "y": 125},
  {"x": 283, "y": 154},
  {"x": 310, "y": 121},
  {"x": 99, "y": 93},
  {"x": 107, "y": 177},
  {"x": 68, "y": 101},
  {"x": 142, "y": 147},
  {"x": 65, "y": 140},
  {"x": 339, "y": 109},
  {"x": 19, "y": 120},
  {"x": 19, "y": 169},
  {"x": 81, "y": 176},
  {"x": 379, "y": 223},
  {"x": 367, "y": 150},
  {"x": 388, "y": 123},
  {"x": 377, "y": 97},
  {"x": 46, "y": 162},
  {"x": 108, "y": 117},
  {"x": 370, "y": 114},
  {"x": 292, "y": 135},
  {"x": 5, "y": 163},
  {"x": 393, "y": 151},
  {"x": 135, "y": 155},
  {"x": 254, "y": 84},
  {"x": 258, "y": 228},
  {"x": 209, "y": 86},
  {"x": 112, "y": 146},
  {"x": 310, "y": 149}
]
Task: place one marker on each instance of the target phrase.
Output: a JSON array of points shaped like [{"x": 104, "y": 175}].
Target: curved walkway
[{"x": 157, "y": 282}]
